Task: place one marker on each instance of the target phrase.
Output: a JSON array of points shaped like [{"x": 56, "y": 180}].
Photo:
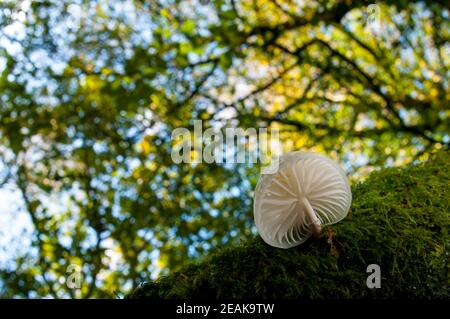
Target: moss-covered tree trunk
[{"x": 399, "y": 220}]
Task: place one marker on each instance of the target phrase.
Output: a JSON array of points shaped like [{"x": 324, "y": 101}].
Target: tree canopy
[{"x": 90, "y": 92}]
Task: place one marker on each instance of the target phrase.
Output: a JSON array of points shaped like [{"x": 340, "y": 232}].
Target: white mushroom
[{"x": 307, "y": 191}]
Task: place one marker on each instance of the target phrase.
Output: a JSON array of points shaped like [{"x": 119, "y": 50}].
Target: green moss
[{"x": 399, "y": 220}]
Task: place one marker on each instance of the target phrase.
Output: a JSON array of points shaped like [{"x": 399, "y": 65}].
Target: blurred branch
[
  {"x": 358, "y": 41},
  {"x": 298, "y": 101},
  {"x": 6, "y": 178},
  {"x": 267, "y": 85},
  {"x": 22, "y": 183},
  {"x": 280, "y": 7},
  {"x": 94, "y": 220},
  {"x": 197, "y": 88},
  {"x": 203, "y": 62},
  {"x": 222, "y": 105}
]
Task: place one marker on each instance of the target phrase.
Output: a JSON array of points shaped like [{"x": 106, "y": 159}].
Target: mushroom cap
[{"x": 281, "y": 198}]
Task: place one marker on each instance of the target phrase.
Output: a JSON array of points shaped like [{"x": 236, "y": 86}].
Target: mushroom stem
[{"x": 315, "y": 222}]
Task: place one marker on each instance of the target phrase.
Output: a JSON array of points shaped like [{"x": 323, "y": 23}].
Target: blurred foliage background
[{"x": 90, "y": 92}]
